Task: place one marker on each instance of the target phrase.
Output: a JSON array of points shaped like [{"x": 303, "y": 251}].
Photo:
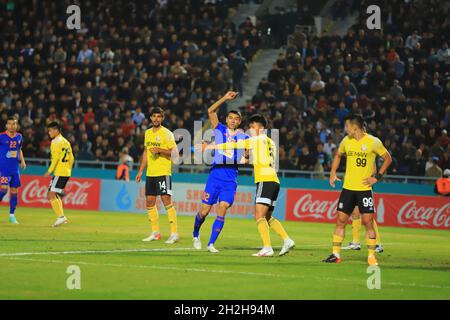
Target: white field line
[
  {"x": 200, "y": 270},
  {"x": 13, "y": 254}
]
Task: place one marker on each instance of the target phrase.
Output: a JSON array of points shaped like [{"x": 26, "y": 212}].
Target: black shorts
[
  {"x": 157, "y": 186},
  {"x": 57, "y": 184},
  {"x": 267, "y": 193},
  {"x": 350, "y": 199}
]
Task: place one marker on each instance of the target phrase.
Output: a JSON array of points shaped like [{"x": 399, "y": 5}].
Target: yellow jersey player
[
  {"x": 61, "y": 166},
  {"x": 361, "y": 150},
  {"x": 263, "y": 152},
  {"x": 159, "y": 144},
  {"x": 355, "y": 244}
]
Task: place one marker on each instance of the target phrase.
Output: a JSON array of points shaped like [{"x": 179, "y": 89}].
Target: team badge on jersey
[{"x": 363, "y": 147}]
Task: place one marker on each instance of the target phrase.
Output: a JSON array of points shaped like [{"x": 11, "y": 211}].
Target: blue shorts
[
  {"x": 218, "y": 190},
  {"x": 8, "y": 179}
]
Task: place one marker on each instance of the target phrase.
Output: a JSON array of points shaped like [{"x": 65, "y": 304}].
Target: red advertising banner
[
  {"x": 80, "y": 193},
  {"x": 391, "y": 209}
]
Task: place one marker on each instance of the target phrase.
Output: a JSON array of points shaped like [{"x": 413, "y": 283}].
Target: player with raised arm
[
  {"x": 159, "y": 144},
  {"x": 221, "y": 185},
  {"x": 360, "y": 150},
  {"x": 62, "y": 160},
  {"x": 10, "y": 157},
  {"x": 263, "y": 152}
]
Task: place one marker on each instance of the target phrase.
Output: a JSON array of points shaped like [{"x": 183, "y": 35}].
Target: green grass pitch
[{"x": 115, "y": 264}]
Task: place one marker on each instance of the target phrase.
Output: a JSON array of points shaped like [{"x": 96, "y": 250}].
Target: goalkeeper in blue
[{"x": 222, "y": 180}]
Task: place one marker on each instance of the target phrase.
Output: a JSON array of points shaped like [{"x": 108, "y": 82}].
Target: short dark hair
[
  {"x": 234, "y": 112},
  {"x": 156, "y": 110},
  {"x": 356, "y": 119},
  {"x": 11, "y": 118},
  {"x": 54, "y": 125},
  {"x": 257, "y": 118}
]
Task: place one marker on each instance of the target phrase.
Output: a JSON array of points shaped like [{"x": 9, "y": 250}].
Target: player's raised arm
[
  {"x": 212, "y": 110},
  {"x": 142, "y": 166}
]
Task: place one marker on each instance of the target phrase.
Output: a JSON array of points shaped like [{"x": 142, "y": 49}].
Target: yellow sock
[
  {"x": 172, "y": 216},
  {"x": 356, "y": 227},
  {"x": 371, "y": 246},
  {"x": 60, "y": 205},
  {"x": 278, "y": 228},
  {"x": 57, "y": 207},
  {"x": 263, "y": 229},
  {"x": 337, "y": 243},
  {"x": 153, "y": 217},
  {"x": 375, "y": 227}
]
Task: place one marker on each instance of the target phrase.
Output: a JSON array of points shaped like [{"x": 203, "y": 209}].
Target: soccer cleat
[
  {"x": 154, "y": 236},
  {"x": 379, "y": 248},
  {"x": 174, "y": 237},
  {"x": 212, "y": 249},
  {"x": 332, "y": 259},
  {"x": 352, "y": 246},
  {"x": 264, "y": 252},
  {"x": 197, "y": 243},
  {"x": 60, "y": 221},
  {"x": 372, "y": 261},
  {"x": 13, "y": 220},
  {"x": 288, "y": 245}
]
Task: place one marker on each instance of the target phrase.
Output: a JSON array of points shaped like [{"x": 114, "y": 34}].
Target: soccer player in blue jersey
[
  {"x": 221, "y": 185},
  {"x": 10, "y": 157}
]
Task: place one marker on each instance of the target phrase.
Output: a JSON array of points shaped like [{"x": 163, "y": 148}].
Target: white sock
[
  {"x": 338, "y": 255},
  {"x": 11, "y": 215}
]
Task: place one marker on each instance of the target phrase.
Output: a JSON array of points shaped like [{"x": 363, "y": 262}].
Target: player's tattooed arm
[
  {"x": 387, "y": 160},
  {"x": 212, "y": 110}
]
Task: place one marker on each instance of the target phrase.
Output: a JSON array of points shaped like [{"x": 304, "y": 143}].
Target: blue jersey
[
  {"x": 10, "y": 152},
  {"x": 225, "y": 164}
]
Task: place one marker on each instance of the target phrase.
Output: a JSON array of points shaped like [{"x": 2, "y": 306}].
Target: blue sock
[
  {"x": 198, "y": 223},
  {"x": 12, "y": 203},
  {"x": 216, "y": 228}
]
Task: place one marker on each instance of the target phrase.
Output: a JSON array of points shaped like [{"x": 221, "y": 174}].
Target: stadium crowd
[
  {"x": 397, "y": 78},
  {"x": 102, "y": 80}
]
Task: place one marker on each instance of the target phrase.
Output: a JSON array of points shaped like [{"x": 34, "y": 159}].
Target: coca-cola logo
[
  {"x": 76, "y": 193},
  {"x": 410, "y": 213},
  {"x": 307, "y": 207}
]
